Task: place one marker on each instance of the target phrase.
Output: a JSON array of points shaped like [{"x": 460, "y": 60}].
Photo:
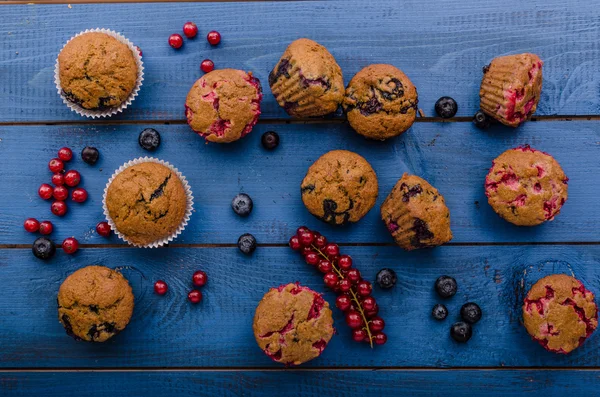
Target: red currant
[
  {"x": 364, "y": 288},
  {"x": 376, "y": 324},
  {"x": 372, "y": 313},
  {"x": 103, "y": 229},
  {"x": 175, "y": 40},
  {"x": 195, "y": 296},
  {"x": 31, "y": 225},
  {"x": 70, "y": 245},
  {"x": 312, "y": 258},
  {"x": 207, "y": 66},
  {"x": 46, "y": 227},
  {"x": 295, "y": 243},
  {"x": 332, "y": 250},
  {"x": 59, "y": 208},
  {"x": 79, "y": 195},
  {"x": 190, "y": 30},
  {"x": 139, "y": 50},
  {"x": 72, "y": 178},
  {"x": 354, "y": 320},
  {"x": 368, "y": 303},
  {"x": 343, "y": 302},
  {"x": 213, "y": 37},
  {"x": 345, "y": 262},
  {"x": 58, "y": 179},
  {"x": 60, "y": 193},
  {"x": 306, "y": 250},
  {"x": 306, "y": 238},
  {"x": 56, "y": 165},
  {"x": 65, "y": 154},
  {"x": 354, "y": 275},
  {"x": 199, "y": 278},
  {"x": 45, "y": 191},
  {"x": 345, "y": 285},
  {"x": 160, "y": 287},
  {"x": 301, "y": 230},
  {"x": 380, "y": 338},
  {"x": 325, "y": 266},
  {"x": 320, "y": 241},
  {"x": 359, "y": 334},
  {"x": 330, "y": 279}
]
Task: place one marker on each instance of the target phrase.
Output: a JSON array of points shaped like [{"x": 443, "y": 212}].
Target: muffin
[
  {"x": 380, "y": 102},
  {"x": 223, "y": 105},
  {"x": 146, "y": 203},
  {"x": 292, "y": 324},
  {"x": 307, "y": 81},
  {"x": 97, "y": 71},
  {"x": 416, "y": 215},
  {"x": 340, "y": 187},
  {"x": 95, "y": 303},
  {"x": 511, "y": 87},
  {"x": 560, "y": 313},
  {"x": 526, "y": 187}
]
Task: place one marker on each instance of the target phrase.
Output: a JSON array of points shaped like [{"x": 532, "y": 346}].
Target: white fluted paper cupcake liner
[
  {"x": 106, "y": 112},
  {"x": 188, "y": 210}
]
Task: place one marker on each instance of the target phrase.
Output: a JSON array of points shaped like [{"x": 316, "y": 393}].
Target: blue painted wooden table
[{"x": 173, "y": 348}]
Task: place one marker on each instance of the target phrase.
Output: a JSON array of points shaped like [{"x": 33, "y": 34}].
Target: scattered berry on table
[
  {"x": 79, "y": 195},
  {"x": 199, "y": 278},
  {"x": 446, "y": 107},
  {"x": 445, "y": 286},
  {"x": 213, "y": 37},
  {"x": 90, "y": 155},
  {"x": 46, "y": 227},
  {"x": 56, "y": 165},
  {"x": 439, "y": 312},
  {"x": 103, "y": 229},
  {"x": 46, "y": 191},
  {"x": 470, "y": 312},
  {"x": 160, "y": 287},
  {"x": 149, "y": 139},
  {"x": 139, "y": 50},
  {"x": 247, "y": 243},
  {"x": 31, "y": 225},
  {"x": 65, "y": 154},
  {"x": 481, "y": 120},
  {"x": 376, "y": 324},
  {"x": 461, "y": 331},
  {"x": 195, "y": 296},
  {"x": 380, "y": 338},
  {"x": 207, "y": 66},
  {"x": 70, "y": 245},
  {"x": 72, "y": 178},
  {"x": 386, "y": 278},
  {"x": 270, "y": 140},
  {"x": 60, "y": 193},
  {"x": 175, "y": 40},
  {"x": 242, "y": 204},
  {"x": 43, "y": 248},
  {"x": 59, "y": 208},
  {"x": 58, "y": 179},
  {"x": 190, "y": 30}
]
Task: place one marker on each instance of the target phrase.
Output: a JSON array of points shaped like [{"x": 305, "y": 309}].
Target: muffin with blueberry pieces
[
  {"x": 307, "y": 81},
  {"x": 224, "y": 105},
  {"x": 416, "y": 215},
  {"x": 380, "y": 102},
  {"x": 511, "y": 88}
]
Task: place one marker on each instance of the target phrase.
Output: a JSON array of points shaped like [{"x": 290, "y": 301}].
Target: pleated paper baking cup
[
  {"x": 110, "y": 111},
  {"x": 189, "y": 202}
]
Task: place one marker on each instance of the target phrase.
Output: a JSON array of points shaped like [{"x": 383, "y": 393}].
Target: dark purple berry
[
  {"x": 43, "y": 248},
  {"x": 242, "y": 204},
  {"x": 446, "y": 286},
  {"x": 461, "y": 331},
  {"x": 270, "y": 140},
  {"x": 386, "y": 278},
  {"x": 149, "y": 139},
  {"x": 446, "y": 107},
  {"x": 90, "y": 155},
  {"x": 470, "y": 312},
  {"x": 247, "y": 243},
  {"x": 481, "y": 120},
  {"x": 439, "y": 312}
]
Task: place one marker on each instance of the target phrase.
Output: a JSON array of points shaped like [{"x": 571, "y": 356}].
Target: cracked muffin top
[
  {"x": 95, "y": 303},
  {"x": 340, "y": 187},
  {"x": 307, "y": 81},
  {"x": 526, "y": 187},
  {"x": 223, "y": 105},
  {"x": 292, "y": 324},
  {"x": 147, "y": 202},
  {"x": 97, "y": 71},
  {"x": 560, "y": 313},
  {"x": 381, "y": 102}
]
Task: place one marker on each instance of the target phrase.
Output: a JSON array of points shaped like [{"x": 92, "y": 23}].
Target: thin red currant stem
[{"x": 354, "y": 297}]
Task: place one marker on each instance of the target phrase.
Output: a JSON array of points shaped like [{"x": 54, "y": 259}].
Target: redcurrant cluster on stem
[{"x": 354, "y": 297}]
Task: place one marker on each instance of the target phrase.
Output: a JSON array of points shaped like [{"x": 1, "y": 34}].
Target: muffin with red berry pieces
[
  {"x": 511, "y": 87},
  {"x": 416, "y": 214},
  {"x": 307, "y": 81},
  {"x": 292, "y": 324},
  {"x": 340, "y": 187},
  {"x": 560, "y": 313},
  {"x": 526, "y": 187},
  {"x": 223, "y": 105},
  {"x": 381, "y": 102}
]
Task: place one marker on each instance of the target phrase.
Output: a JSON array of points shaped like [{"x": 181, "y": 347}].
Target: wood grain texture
[
  {"x": 170, "y": 332},
  {"x": 441, "y": 45}
]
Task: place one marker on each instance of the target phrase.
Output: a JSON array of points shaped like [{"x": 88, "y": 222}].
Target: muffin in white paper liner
[
  {"x": 188, "y": 210},
  {"x": 110, "y": 111}
]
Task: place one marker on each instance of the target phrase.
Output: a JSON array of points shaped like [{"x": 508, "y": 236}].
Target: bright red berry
[
  {"x": 372, "y": 313},
  {"x": 139, "y": 50},
  {"x": 213, "y": 37},
  {"x": 45, "y": 191},
  {"x": 59, "y": 208},
  {"x": 320, "y": 241},
  {"x": 376, "y": 324},
  {"x": 31, "y": 225},
  {"x": 343, "y": 302},
  {"x": 354, "y": 275},
  {"x": 103, "y": 229},
  {"x": 295, "y": 243},
  {"x": 65, "y": 154},
  {"x": 175, "y": 40},
  {"x": 195, "y": 296},
  {"x": 359, "y": 334},
  {"x": 332, "y": 250},
  {"x": 79, "y": 195},
  {"x": 70, "y": 245},
  {"x": 344, "y": 285},
  {"x": 207, "y": 66},
  {"x": 306, "y": 238},
  {"x": 312, "y": 258},
  {"x": 369, "y": 303},
  {"x": 58, "y": 179},
  {"x": 380, "y": 338},
  {"x": 325, "y": 266},
  {"x": 72, "y": 178},
  {"x": 364, "y": 288},
  {"x": 330, "y": 279},
  {"x": 56, "y": 165},
  {"x": 354, "y": 320},
  {"x": 46, "y": 227},
  {"x": 199, "y": 278},
  {"x": 345, "y": 262},
  {"x": 60, "y": 193},
  {"x": 190, "y": 30},
  {"x": 160, "y": 287},
  {"x": 301, "y": 230},
  {"x": 306, "y": 250}
]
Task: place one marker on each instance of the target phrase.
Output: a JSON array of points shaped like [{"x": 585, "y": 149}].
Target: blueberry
[
  {"x": 439, "y": 312},
  {"x": 247, "y": 243},
  {"x": 43, "y": 248},
  {"x": 386, "y": 278},
  {"x": 481, "y": 120},
  {"x": 90, "y": 155},
  {"x": 446, "y": 107},
  {"x": 242, "y": 204},
  {"x": 470, "y": 312},
  {"x": 149, "y": 139},
  {"x": 445, "y": 286},
  {"x": 461, "y": 331},
  {"x": 270, "y": 140}
]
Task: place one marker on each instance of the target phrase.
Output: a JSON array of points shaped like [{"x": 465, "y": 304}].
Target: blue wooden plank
[
  {"x": 454, "y": 157},
  {"x": 302, "y": 383},
  {"x": 170, "y": 332},
  {"x": 441, "y": 45}
]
